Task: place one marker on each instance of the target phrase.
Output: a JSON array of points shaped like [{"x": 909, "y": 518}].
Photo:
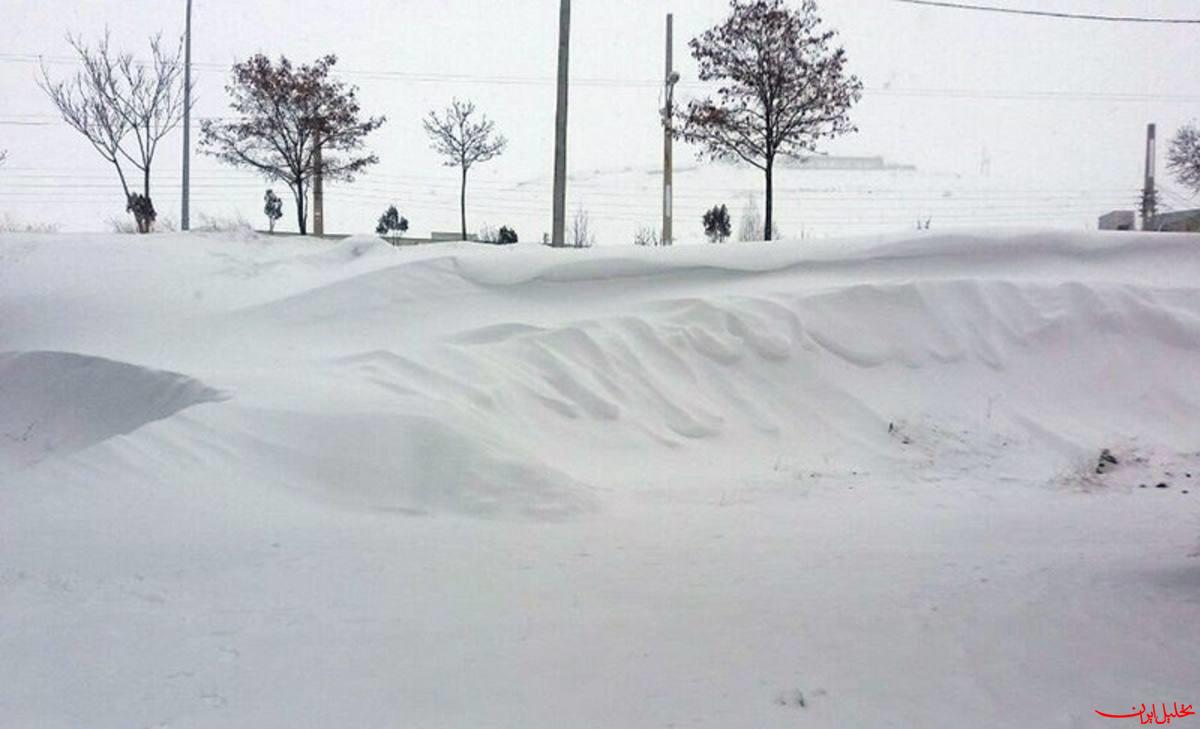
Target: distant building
[
  {"x": 833, "y": 162},
  {"x": 1180, "y": 221},
  {"x": 1119, "y": 220}
]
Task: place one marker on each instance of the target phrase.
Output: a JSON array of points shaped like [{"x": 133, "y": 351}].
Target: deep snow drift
[{"x": 251, "y": 482}]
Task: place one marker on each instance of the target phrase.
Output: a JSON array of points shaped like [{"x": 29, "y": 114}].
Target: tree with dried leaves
[
  {"x": 463, "y": 142},
  {"x": 283, "y": 113},
  {"x": 124, "y": 108},
  {"x": 1183, "y": 158},
  {"x": 784, "y": 87}
]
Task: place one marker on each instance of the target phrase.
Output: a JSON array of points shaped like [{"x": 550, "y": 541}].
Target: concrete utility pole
[
  {"x": 318, "y": 190},
  {"x": 184, "y": 222},
  {"x": 1149, "y": 194},
  {"x": 670, "y": 79},
  {"x": 558, "y": 230}
]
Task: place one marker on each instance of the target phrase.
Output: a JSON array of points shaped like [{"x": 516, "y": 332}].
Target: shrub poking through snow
[
  {"x": 646, "y": 237},
  {"x": 392, "y": 225},
  {"x": 716, "y": 224},
  {"x": 143, "y": 211},
  {"x": 751, "y": 227},
  {"x": 272, "y": 208},
  {"x": 580, "y": 234},
  {"x": 507, "y": 235}
]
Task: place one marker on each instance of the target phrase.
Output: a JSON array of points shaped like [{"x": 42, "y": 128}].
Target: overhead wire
[{"x": 1060, "y": 15}]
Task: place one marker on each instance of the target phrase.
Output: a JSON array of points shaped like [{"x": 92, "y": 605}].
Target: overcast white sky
[{"x": 942, "y": 86}]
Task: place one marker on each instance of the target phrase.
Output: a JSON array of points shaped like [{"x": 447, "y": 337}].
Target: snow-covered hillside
[{"x": 250, "y": 482}]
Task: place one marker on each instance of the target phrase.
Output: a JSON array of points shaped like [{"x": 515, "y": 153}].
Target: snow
[{"x": 250, "y": 482}]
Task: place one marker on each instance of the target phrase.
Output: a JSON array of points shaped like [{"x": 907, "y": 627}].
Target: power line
[
  {"x": 638, "y": 83},
  {"x": 1052, "y": 13}
]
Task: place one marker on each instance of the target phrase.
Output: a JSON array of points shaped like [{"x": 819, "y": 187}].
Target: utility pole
[
  {"x": 1149, "y": 194},
  {"x": 558, "y": 230},
  {"x": 670, "y": 79},
  {"x": 184, "y": 223},
  {"x": 318, "y": 189}
]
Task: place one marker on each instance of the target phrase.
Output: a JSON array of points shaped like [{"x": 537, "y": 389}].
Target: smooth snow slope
[{"x": 249, "y": 482}]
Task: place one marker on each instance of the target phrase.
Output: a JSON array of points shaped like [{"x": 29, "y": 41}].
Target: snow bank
[
  {"x": 278, "y": 482},
  {"x": 458, "y": 363},
  {"x": 57, "y": 403}
]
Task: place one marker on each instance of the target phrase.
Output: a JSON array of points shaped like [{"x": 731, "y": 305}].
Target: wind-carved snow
[
  {"x": 57, "y": 403},
  {"x": 458, "y": 485}
]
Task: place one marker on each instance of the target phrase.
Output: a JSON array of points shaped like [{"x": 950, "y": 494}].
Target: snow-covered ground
[{"x": 278, "y": 483}]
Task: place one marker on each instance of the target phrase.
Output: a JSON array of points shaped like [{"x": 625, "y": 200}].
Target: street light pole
[
  {"x": 558, "y": 229},
  {"x": 672, "y": 78},
  {"x": 184, "y": 222}
]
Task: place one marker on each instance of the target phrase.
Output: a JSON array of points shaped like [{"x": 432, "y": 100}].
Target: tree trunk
[
  {"x": 145, "y": 224},
  {"x": 124, "y": 184},
  {"x": 301, "y": 218},
  {"x": 148, "y": 157},
  {"x": 767, "y": 227},
  {"x": 125, "y": 188},
  {"x": 462, "y": 203}
]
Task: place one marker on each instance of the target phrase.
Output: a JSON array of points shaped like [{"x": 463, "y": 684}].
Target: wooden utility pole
[
  {"x": 184, "y": 221},
  {"x": 1149, "y": 194},
  {"x": 318, "y": 189},
  {"x": 670, "y": 79},
  {"x": 558, "y": 229}
]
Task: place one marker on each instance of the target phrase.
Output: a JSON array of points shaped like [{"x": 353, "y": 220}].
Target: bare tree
[
  {"x": 124, "y": 108},
  {"x": 783, "y": 87},
  {"x": 751, "y": 226},
  {"x": 463, "y": 142},
  {"x": 1183, "y": 158},
  {"x": 285, "y": 113},
  {"x": 580, "y": 235}
]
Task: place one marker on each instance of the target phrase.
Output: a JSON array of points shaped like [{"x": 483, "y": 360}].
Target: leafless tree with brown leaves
[
  {"x": 123, "y": 107},
  {"x": 283, "y": 113},
  {"x": 463, "y": 142},
  {"x": 783, "y": 87}
]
